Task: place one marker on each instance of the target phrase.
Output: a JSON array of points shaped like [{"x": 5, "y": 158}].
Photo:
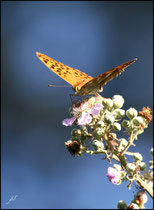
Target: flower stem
[{"x": 144, "y": 185}]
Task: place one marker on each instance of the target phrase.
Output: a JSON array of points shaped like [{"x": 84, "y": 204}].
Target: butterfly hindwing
[{"x": 93, "y": 86}]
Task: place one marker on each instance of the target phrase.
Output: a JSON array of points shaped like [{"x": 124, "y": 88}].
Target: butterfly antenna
[{"x": 59, "y": 86}]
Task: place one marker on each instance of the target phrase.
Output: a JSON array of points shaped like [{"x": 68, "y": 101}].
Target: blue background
[{"x": 93, "y": 37}]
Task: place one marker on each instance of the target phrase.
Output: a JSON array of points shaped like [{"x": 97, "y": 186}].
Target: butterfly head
[
  {"x": 77, "y": 90},
  {"x": 83, "y": 90}
]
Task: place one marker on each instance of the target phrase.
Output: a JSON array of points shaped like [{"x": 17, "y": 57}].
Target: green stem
[{"x": 128, "y": 145}]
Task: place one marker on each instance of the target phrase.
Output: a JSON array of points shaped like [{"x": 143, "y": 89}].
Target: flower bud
[
  {"x": 130, "y": 167},
  {"x": 97, "y": 145},
  {"x": 151, "y": 152},
  {"x": 137, "y": 156},
  {"x": 91, "y": 100},
  {"x": 122, "y": 205},
  {"x": 117, "y": 126},
  {"x": 76, "y": 132},
  {"x": 73, "y": 147},
  {"x": 113, "y": 175},
  {"x": 125, "y": 124},
  {"x": 141, "y": 198},
  {"x": 97, "y": 133},
  {"x": 84, "y": 129},
  {"x": 123, "y": 142},
  {"x": 107, "y": 102},
  {"x": 143, "y": 166},
  {"x": 151, "y": 164},
  {"x": 117, "y": 167},
  {"x": 138, "y": 121},
  {"x": 118, "y": 101},
  {"x": 119, "y": 113},
  {"x": 109, "y": 119},
  {"x": 100, "y": 123},
  {"x": 131, "y": 113}
]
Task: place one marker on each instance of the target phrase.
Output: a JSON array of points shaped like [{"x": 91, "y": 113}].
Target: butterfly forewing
[
  {"x": 69, "y": 74},
  {"x": 63, "y": 71}
]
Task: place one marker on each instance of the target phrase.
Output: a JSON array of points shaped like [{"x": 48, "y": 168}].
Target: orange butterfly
[{"x": 82, "y": 83}]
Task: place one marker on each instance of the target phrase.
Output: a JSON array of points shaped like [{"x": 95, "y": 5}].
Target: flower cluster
[
  {"x": 99, "y": 120},
  {"x": 137, "y": 121}
]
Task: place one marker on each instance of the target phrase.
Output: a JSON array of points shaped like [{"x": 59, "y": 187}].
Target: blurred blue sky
[{"x": 93, "y": 36}]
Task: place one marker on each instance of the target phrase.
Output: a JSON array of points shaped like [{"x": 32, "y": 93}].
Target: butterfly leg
[
  {"x": 71, "y": 97},
  {"x": 75, "y": 101}
]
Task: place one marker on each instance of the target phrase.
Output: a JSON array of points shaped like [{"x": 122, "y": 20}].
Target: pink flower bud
[{"x": 113, "y": 175}]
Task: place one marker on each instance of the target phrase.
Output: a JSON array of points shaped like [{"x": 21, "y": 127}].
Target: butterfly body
[{"x": 82, "y": 83}]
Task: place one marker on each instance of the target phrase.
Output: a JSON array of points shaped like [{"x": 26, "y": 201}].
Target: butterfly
[{"x": 82, "y": 83}]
